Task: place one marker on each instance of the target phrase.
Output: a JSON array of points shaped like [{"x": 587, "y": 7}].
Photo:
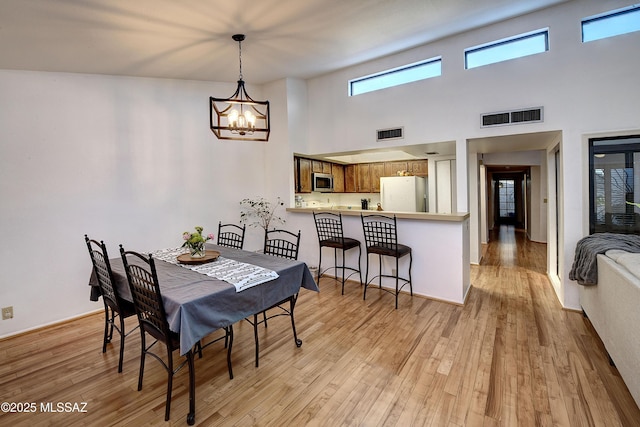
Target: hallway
[
  {"x": 548, "y": 362},
  {"x": 509, "y": 247}
]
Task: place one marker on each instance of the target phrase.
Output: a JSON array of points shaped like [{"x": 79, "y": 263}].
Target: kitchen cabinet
[
  {"x": 319, "y": 166},
  {"x": 355, "y": 178},
  {"x": 338, "y": 177},
  {"x": 392, "y": 168},
  {"x": 350, "y": 179},
  {"x": 363, "y": 178},
  {"x": 304, "y": 175},
  {"x": 376, "y": 171},
  {"x": 418, "y": 167}
]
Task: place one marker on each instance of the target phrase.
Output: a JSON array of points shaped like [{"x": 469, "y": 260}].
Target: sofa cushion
[
  {"x": 614, "y": 254},
  {"x": 631, "y": 262}
]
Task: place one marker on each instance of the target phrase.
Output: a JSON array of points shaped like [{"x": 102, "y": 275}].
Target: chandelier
[{"x": 239, "y": 117}]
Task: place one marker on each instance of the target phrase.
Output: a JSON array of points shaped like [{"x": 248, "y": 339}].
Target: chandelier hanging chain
[{"x": 240, "y": 57}]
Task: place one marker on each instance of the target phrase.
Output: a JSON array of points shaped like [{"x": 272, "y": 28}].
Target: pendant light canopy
[{"x": 239, "y": 117}]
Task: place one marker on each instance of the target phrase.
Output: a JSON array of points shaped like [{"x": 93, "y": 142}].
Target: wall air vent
[
  {"x": 385, "y": 134},
  {"x": 502, "y": 118}
]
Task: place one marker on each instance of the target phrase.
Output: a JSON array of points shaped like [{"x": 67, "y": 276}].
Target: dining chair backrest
[
  {"x": 152, "y": 318},
  {"x": 329, "y": 227},
  {"x": 380, "y": 231},
  {"x": 231, "y": 235},
  {"x": 102, "y": 268},
  {"x": 281, "y": 243},
  {"x": 145, "y": 291},
  {"x": 116, "y": 309}
]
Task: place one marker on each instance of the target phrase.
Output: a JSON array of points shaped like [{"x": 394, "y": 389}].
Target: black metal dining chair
[
  {"x": 330, "y": 235},
  {"x": 283, "y": 244},
  {"x": 152, "y": 318},
  {"x": 231, "y": 235},
  {"x": 116, "y": 309},
  {"x": 381, "y": 238}
]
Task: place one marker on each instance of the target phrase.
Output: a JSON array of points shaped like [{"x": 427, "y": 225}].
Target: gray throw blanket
[{"x": 585, "y": 266}]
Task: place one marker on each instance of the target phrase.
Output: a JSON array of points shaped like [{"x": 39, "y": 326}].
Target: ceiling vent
[
  {"x": 385, "y": 134},
  {"x": 528, "y": 115}
]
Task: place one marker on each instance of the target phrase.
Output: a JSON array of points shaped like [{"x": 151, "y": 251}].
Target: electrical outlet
[{"x": 7, "y": 313}]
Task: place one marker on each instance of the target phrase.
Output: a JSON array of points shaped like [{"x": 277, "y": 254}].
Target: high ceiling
[{"x": 191, "y": 39}]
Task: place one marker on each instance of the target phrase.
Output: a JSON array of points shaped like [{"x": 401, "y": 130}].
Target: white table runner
[{"x": 239, "y": 274}]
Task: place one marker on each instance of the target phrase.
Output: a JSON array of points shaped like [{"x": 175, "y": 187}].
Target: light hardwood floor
[{"x": 511, "y": 356}]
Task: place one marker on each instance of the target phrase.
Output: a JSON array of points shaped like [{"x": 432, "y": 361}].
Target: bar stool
[
  {"x": 330, "y": 235},
  {"x": 381, "y": 238}
]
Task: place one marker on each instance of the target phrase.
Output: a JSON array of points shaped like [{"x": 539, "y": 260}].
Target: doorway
[
  {"x": 506, "y": 208},
  {"x": 509, "y": 199}
]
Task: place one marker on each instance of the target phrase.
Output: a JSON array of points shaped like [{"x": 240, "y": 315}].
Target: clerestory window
[
  {"x": 613, "y": 23},
  {"x": 396, "y": 76},
  {"x": 506, "y": 49}
]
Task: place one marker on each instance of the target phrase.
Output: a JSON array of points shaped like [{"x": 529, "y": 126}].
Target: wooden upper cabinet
[
  {"x": 350, "y": 179},
  {"x": 338, "y": 177},
  {"x": 304, "y": 176},
  {"x": 356, "y": 178},
  {"x": 392, "y": 168},
  {"x": 418, "y": 167},
  {"x": 377, "y": 171},
  {"x": 363, "y": 178},
  {"x": 316, "y": 166},
  {"x": 319, "y": 166}
]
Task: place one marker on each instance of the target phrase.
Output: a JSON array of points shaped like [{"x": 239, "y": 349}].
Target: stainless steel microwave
[{"x": 322, "y": 182}]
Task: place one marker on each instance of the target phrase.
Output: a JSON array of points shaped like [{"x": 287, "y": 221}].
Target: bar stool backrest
[
  {"x": 329, "y": 227},
  {"x": 380, "y": 232}
]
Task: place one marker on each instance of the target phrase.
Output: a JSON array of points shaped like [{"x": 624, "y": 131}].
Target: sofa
[{"x": 613, "y": 308}]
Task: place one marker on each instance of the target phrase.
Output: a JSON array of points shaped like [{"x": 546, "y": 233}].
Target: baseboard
[
  {"x": 402, "y": 291},
  {"x": 48, "y": 325}
]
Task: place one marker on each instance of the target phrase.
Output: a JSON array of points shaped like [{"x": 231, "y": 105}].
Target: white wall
[
  {"x": 127, "y": 160},
  {"x": 538, "y": 192},
  {"x": 584, "y": 88}
]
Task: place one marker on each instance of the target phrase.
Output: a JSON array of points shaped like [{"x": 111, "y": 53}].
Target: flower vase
[{"x": 197, "y": 250}]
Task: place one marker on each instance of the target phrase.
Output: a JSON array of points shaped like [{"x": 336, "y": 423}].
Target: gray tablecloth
[{"x": 197, "y": 305}]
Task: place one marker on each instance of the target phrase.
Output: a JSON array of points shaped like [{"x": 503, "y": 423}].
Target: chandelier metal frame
[{"x": 239, "y": 117}]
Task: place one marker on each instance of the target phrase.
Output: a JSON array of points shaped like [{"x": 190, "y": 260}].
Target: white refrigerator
[{"x": 403, "y": 193}]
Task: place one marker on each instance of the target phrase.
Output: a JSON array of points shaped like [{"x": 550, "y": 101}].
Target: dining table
[
  {"x": 198, "y": 304},
  {"x": 197, "y": 301}
]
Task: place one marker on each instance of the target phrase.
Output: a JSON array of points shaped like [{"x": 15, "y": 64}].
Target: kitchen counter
[
  {"x": 440, "y": 243},
  {"x": 453, "y": 217}
]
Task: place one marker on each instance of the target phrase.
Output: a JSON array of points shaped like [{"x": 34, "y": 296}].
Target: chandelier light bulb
[
  {"x": 233, "y": 118},
  {"x": 251, "y": 119}
]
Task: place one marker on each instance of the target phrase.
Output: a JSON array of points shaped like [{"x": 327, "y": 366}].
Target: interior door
[{"x": 506, "y": 201}]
